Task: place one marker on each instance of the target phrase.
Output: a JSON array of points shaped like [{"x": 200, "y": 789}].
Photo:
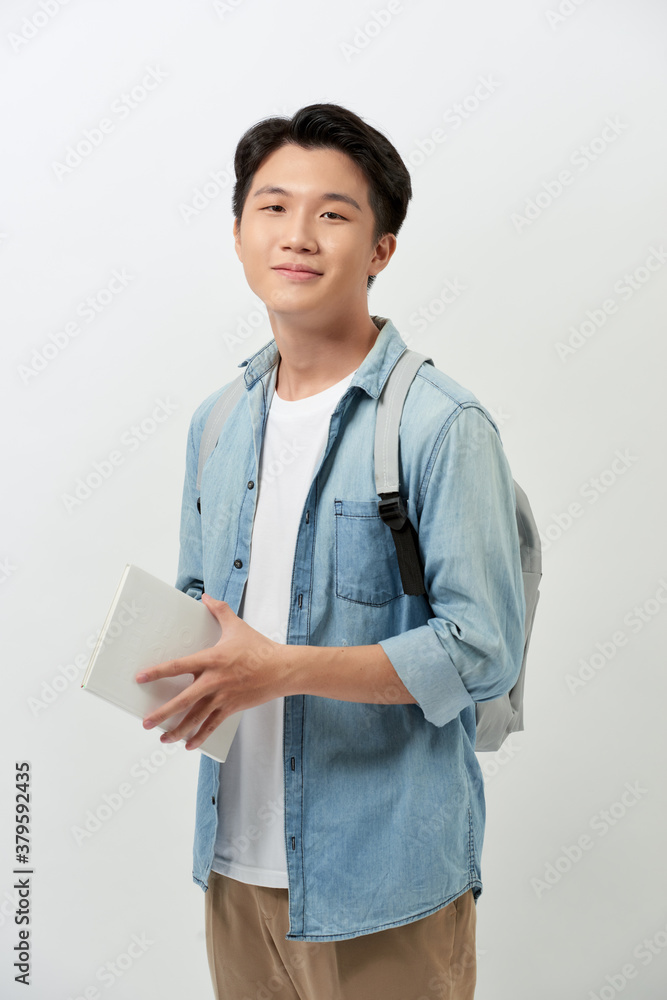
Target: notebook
[{"x": 150, "y": 621}]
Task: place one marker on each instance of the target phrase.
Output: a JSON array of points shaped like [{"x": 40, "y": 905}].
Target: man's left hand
[{"x": 243, "y": 669}]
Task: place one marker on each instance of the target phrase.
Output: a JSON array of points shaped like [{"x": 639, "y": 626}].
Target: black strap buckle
[
  {"x": 394, "y": 513},
  {"x": 392, "y": 510}
]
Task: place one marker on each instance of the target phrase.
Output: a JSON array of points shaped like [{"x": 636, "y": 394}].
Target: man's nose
[{"x": 299, "y": 232}]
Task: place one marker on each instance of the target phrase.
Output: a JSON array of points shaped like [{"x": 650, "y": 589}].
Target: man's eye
[{"x": 268, "y": 208}]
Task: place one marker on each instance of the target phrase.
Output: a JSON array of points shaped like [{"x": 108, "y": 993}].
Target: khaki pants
[{"x": 432, "y": 958}]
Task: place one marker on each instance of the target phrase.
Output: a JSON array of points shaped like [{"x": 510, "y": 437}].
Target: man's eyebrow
[{"x": 330, "y": 196}]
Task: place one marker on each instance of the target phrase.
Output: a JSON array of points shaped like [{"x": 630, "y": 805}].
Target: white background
[{"x": 185, "y": 320}]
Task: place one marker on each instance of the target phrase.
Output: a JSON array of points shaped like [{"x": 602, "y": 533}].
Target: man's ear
[
  {"x": 382, "y": 254},
  {"x": 236, "y": 233}
]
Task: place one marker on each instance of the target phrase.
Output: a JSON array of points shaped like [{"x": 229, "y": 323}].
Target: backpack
[{"x": 497, "y": 718}]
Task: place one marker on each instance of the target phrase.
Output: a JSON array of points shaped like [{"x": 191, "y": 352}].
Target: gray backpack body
[{"x": 495, "y": 719}]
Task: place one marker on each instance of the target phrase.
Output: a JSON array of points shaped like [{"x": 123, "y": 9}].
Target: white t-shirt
[{"x": 250, "y": 841}]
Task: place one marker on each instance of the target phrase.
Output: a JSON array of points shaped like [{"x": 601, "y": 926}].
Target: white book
[{"x": 149, "y": 622}]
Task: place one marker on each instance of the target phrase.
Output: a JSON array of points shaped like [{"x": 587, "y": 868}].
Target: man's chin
[{"x": 292, "y": 304}]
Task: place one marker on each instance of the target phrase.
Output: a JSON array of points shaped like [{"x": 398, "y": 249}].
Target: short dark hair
[{"x": 333, "y": 127}]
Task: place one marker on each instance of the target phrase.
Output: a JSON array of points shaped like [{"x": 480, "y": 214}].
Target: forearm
[{"x": 346, "y": 673}]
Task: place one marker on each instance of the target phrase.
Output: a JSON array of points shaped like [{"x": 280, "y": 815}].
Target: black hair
[{"x": 333, "y": 127}]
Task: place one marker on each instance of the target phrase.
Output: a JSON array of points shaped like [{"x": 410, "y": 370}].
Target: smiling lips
[{"x": 297, "y": 272}]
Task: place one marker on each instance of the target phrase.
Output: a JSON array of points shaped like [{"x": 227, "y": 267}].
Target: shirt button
[
  {"x": 238, "y": 563},
  {"x": 251, "y": 485}
]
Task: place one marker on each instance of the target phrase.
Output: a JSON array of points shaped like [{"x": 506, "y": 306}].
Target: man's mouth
[{"x": 297, "y": 272}]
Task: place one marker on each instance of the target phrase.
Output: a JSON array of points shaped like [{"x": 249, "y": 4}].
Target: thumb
[{"x": 218, "y": 608}]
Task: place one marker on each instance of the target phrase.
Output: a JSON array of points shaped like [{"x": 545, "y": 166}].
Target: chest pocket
[{"x": 366, "y": 562}]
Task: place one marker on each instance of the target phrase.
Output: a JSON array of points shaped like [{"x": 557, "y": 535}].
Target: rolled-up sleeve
[{"x": 472, "y": 650}]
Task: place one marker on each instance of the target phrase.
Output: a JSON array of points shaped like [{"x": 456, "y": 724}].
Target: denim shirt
[{"x": 384, "y": 804}]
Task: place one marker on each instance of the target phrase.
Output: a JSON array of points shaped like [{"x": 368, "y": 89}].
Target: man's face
[{"x": 307, "y": 223}]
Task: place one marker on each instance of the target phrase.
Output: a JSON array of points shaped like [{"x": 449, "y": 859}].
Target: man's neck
[{"x": 312, "y": 360}]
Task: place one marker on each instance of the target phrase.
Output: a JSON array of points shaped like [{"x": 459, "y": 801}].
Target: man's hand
[{"x": 243, "y": 669}]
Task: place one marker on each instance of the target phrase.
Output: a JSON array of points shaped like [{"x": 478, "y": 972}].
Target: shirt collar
[{"x": 371, "y": 374}]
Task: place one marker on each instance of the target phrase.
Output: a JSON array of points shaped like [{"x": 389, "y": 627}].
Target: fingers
[
  {"x": 211, "y": 724},
  {"x": 191, "y": 723},
  {"x": 172, "y": 668},
  {"x": 186, "y": 699}
]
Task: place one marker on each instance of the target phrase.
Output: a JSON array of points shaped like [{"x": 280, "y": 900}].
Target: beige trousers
[{"x": 432, "y": 958}]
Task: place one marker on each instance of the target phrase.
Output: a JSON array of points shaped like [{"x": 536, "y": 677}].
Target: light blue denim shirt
[{"x": 384, "y": 804}]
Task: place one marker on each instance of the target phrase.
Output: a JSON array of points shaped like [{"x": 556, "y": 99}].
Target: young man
[{"x": 339, "y": 845}]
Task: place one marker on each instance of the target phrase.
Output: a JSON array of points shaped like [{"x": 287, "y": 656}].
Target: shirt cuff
[{"x": 424, "y": 666}]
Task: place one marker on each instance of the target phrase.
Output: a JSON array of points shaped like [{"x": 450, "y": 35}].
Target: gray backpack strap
[
  {"x": 391, "y": 506},
  {"x": 215, "y": 422},
  {"x": 389, "y": 410}
]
